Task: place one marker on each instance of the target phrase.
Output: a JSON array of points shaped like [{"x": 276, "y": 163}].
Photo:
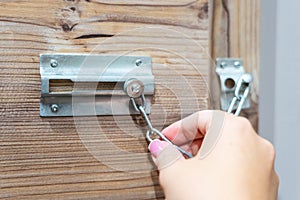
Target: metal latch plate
[
  {"x": 230, "y": 70},
  {"x": 84, "y": 85}
]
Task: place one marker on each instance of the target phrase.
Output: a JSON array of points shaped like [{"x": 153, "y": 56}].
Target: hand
[{"x": 233, "y": 161}]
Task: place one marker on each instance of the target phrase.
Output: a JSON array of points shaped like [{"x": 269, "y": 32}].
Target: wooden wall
[
  {"x": 102, "y": 157},
  {"x": 234, "y": 33},
  {"x": 68, "y": 158}
]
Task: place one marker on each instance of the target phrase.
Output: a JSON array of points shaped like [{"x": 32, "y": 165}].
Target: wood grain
[
  {"x": 147, "y": 2},
  {"x": 234, "y": 32},
  {"x": 70, "y": 158}
]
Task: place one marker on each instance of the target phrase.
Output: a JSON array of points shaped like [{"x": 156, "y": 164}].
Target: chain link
[
  {"x": 152, "y": 132},
  {"x": 241, "y": 93}
]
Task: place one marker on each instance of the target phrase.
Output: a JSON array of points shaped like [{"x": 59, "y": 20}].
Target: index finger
[{"x": 190, "y": 128}]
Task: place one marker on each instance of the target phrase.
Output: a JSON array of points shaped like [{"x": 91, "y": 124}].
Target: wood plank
[
  {"x": 87, "y": 157},
  {"x": 146, "y": 2},
  {"x": 234, "y": 32}
]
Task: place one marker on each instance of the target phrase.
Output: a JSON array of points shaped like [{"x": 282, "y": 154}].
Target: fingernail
[{"x": 157, "y": 146}]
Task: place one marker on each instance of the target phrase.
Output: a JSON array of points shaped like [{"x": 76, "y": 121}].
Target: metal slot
[
  {"x": 84, "y": 85},
  {"x": 64, "y": 86}
]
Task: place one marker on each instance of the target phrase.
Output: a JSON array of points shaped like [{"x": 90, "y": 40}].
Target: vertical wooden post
[{"x": 234, "y": 32}]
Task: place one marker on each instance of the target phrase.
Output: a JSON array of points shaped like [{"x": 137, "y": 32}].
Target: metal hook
[{"x": 135, "y": 105}]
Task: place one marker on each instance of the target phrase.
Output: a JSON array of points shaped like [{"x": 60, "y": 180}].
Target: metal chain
[
  {"x": 241, "y": 93},
  {"x": 152, "y": 132}
]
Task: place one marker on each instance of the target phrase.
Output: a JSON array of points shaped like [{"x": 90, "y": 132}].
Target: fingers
[
  {"x": 201, "y": 129},
  {"x": 213, "y": 134},
  {"x": 193, "y": 146},
  {"x": 165, "y": 154},
  {"x": 190, "y": 128}
]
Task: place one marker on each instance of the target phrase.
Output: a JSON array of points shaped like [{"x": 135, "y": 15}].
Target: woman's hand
[{"x": 231, "y": 161}]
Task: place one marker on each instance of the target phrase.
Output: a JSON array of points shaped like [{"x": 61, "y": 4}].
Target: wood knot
[
  {"x": 203, "y": 13},
  {"x": 69, "y": 17},
  {"x": 65, "y": 27},
  {"x": 73, "y": 8}
]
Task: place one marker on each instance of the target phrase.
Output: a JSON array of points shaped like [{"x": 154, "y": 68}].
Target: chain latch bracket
[{"x": 235, "y": 84}]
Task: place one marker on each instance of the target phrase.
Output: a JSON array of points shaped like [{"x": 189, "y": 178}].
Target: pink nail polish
[{"x": 156, "y": 146}]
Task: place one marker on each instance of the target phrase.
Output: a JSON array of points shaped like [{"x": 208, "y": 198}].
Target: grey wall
[{"x": 280, "y": 89}]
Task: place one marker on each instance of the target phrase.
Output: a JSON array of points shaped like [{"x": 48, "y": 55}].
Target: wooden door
[{"x": 68, "y": 158}]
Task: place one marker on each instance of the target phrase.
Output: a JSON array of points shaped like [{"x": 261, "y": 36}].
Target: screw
[
  {"x": 138, "y": 62},
  {"x": 223, "y": 64},
  {"x": 135, "y": 89},
  {"x": 54, "y": 108},
  {"x": 247, "y": 78},
  {"x": 237, "y": 64},
  {"x": 53, "y": 63}
]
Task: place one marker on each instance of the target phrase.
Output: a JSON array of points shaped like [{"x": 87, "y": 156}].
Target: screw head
[
  {"x": 53, "y": 63},
  {"x": 237, "y": 64},
  {"x": 134, "y": 88},
  {"x": 54, "y": 108},
  {"x": 138, "y": 62},
  {"x": 247, "y": 78},
  {"x": 223, "y": 64}
]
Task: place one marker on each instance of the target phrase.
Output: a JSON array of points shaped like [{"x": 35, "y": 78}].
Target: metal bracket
[
  {"x": 82, "y": 85},
  {"x": 230, "y": 71}
]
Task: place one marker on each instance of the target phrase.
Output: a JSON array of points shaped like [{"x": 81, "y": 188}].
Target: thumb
[{"x": 165, "y": 154}]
